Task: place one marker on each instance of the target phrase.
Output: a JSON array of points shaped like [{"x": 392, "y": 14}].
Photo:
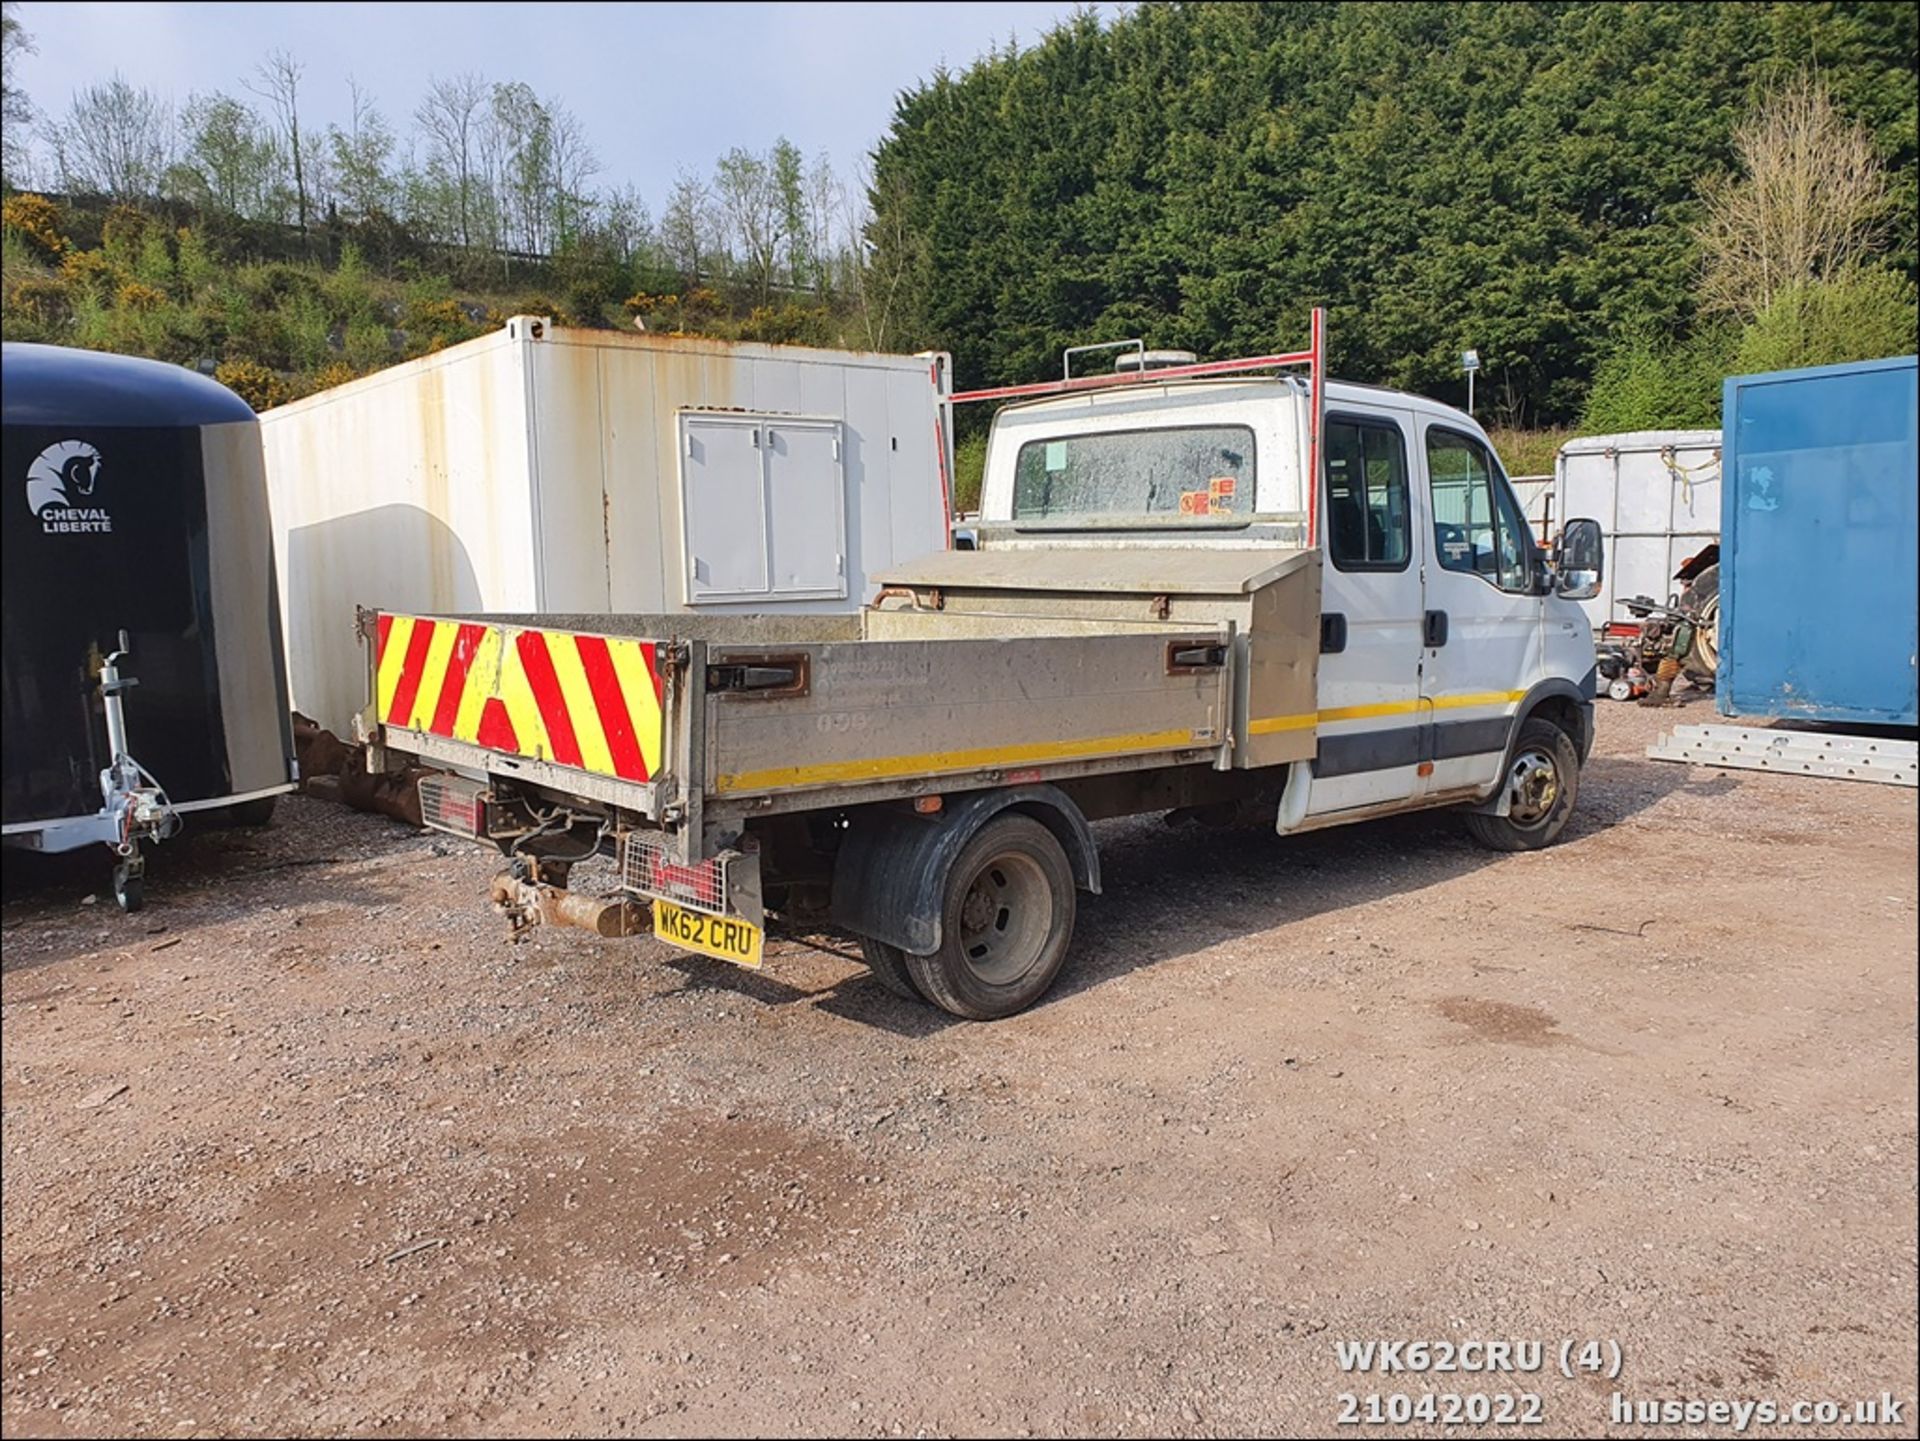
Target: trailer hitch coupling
[{"x": 528, "y": 903}]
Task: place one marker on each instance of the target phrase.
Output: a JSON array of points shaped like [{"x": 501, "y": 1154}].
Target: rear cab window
[
  {"x": 1368, "y": 527},
  {"x": 1179, "y": 475}
]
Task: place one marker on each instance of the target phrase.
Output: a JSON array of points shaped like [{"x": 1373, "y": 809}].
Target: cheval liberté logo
[{"x": 59, "y": 483}]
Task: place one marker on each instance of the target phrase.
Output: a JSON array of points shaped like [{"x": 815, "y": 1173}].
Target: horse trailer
[{"x": 138, "y": 538}]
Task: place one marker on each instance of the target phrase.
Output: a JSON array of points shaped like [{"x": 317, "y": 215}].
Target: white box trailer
[
  {"x": 1656, "y": 494},
  {"x": 596, "y": 472}
]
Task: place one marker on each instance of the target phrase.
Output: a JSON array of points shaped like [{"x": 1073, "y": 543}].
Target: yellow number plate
[{"x": 725, "y": 938}]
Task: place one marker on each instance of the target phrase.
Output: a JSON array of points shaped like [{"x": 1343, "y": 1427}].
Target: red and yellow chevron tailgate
[{"x": 587, "y": 701}]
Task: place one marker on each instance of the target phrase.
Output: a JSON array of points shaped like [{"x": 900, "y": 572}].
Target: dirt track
[{"x": 375, "y": 1169}]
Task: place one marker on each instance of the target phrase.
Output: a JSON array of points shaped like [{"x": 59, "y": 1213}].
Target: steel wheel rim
[
  {"x": 1005, "y": 918},
  {"x": 1533, "y": 787}
]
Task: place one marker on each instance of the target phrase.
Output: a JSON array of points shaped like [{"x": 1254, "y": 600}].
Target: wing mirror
[{"x": 1579, "y": 560}]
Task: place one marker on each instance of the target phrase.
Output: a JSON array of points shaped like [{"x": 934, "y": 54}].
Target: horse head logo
[{"x": 62, "y": 474}]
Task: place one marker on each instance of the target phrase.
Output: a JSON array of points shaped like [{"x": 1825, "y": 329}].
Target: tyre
[
  {"x": 889, "y": 967},
  {"x": 254, "y": 813},
  {"x": 1543, "y": 781},
  {"x": 1006, "y": 919},
  {"x": 1702, "y": 596}
]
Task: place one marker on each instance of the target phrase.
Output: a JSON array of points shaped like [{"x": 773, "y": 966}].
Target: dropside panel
[{"x": 894, "y": 711}]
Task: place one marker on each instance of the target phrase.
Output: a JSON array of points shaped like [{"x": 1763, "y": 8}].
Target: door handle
[
  {"x": 1333, "y": 633},
  {"x": 1436, "y": 628}
]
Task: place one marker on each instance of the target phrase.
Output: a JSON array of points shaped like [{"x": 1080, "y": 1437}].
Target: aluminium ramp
[{"x": 1813, "y": 753}]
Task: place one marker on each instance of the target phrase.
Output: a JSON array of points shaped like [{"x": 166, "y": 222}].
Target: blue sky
[{"x": 658, "y": 86}]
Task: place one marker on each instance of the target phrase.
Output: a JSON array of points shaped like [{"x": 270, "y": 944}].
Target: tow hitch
[{"x": 531, "y": 892}]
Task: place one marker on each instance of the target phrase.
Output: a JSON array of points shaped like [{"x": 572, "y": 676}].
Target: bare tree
[
  {"x": 229, "y": 158},
  {"x": 522, "y": 140},
  {"x": 277, "y": 81},
  {"x": 361, "y": 155},
  {"x": 572, "y": 164},
  {"x": 494, "y": 149},
  {"x": 890, "y": 255},
  {"x": 625, "y": 222},
  {"x": 115, "y": 141},
  {"x": 687, "y": 225},
  {"x": 451, "y": 115},
  {"x": 826, "y": 202},
  {"x": 750, "y": 204},
  {"x": 316, "y": 174},
  {"x": 1810, "y": 203},
  {"x": 16, "y": 110},
  {"x": 788, "y": 173}
]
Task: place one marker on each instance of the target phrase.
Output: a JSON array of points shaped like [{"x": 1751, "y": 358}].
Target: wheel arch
[{"x": 891, "y": 871}]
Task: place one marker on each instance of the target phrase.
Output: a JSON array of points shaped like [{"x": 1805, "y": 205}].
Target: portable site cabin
[
  {"x": 597, "y": 472},
  {"x": 1656, "y": 494}
]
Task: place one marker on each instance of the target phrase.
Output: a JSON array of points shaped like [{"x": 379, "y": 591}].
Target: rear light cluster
[
  {"x": 647, "y": 870},
  {"x": 454, "y": 805}
]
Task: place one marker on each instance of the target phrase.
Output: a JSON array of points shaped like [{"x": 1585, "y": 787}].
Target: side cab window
[
  {"x": 1477, "y": 524},
  {"x": 1367, "y": 521}
]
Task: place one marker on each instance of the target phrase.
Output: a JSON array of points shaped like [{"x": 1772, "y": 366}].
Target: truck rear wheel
[
  {"x": 889, "y": 967},
  {"x": 1006, "y": 920},
  {"x": 1542, "y": 784}
]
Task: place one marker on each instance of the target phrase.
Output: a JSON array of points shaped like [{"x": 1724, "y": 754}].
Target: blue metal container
[{"x": 1818, "y": 600}]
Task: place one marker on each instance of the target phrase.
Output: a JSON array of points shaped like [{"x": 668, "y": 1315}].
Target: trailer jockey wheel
[{"x": 129, "y": 876}]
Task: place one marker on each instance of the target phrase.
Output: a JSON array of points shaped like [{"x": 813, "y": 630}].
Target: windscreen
[{"x": 1191, "y": 475}]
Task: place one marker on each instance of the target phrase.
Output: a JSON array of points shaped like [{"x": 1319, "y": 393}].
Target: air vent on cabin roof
[{"x": 1154, "y": 360}]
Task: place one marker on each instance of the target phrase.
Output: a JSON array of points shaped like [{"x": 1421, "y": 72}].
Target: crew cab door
[
  {"x": 1482, "y": 627},
  {"x": 1370, "y": 707}
]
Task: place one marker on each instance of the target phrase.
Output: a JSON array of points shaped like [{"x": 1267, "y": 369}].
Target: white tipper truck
[{"x": 1158, "y": 613}]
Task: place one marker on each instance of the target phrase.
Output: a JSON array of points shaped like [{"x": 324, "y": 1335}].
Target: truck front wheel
[
  {"x": 1006, "y": 920},
  {"x": 1542, "y": 784}
]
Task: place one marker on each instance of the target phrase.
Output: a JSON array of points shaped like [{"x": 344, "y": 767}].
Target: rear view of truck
[{"x": 830, "y": 769}]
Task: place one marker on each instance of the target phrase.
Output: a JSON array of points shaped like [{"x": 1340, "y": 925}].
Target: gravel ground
[{"x": 307, "y": 1147}]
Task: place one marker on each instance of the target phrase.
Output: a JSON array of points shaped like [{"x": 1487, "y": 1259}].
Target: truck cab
[{"x": 1444, "y": 627}]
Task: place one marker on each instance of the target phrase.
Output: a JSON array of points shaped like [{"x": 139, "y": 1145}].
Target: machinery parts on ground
[
  {"x": 332, "y": 770},
  {"x": 1642, "y": 658}
]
